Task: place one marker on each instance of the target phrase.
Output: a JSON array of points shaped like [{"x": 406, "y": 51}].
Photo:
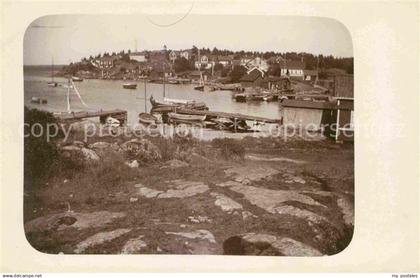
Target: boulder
[
  {"x": 100, "y": 145},
  {"x": 141, "y": 150},
  {"x": 89, "y": 154},
  {"x": 265, "y": 244},
  {"x": 132, "y": 164}
]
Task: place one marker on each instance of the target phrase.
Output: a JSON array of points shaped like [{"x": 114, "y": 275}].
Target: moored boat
[
  {"x": 186, "y": 117},
  {"x": 241, "y": 97},
  {"x": 199, "y": 88},
  {"x": 130, "y": 86},
  {"x": 52, "y": 84},
  {"x": 76, "y": 79},
  {"x": 147, "y": 119},
  {"x": 39, "y": 100}
]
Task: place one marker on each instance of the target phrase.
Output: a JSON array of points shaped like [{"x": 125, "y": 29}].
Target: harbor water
[{"x": 110, "y": 94}]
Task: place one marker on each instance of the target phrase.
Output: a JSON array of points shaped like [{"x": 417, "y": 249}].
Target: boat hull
[
  {"x": 130, "y": 86},
  {"x": 147, "y": 119}
]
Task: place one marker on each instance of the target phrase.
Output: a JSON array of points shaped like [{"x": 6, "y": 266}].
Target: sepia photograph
[{"x": 188, "y": 134}]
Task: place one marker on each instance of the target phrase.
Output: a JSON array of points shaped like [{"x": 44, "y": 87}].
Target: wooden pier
[
  {"x": 234, "y": 116},
  {"x": 120, "y": 115}
]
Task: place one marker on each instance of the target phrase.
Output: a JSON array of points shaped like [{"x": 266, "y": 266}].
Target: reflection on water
[{"x": 107, "y": 94}]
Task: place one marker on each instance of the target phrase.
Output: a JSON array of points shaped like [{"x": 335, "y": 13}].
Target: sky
[{"x": 69, "y": 38}]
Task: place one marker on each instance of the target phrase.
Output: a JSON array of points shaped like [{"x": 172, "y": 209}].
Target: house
[
  {"x": 204, "y": 63},
  {"x": 185, "y": 54},
  {"x": 253, "y": 78},
  {"x": 277, "y": 83},
  {"x": 310, "y": 75},
  {"x": 225, "y": 60},
  {"x": 138, "y": 56},
  {"x": 172, "y": 56},
  {"x": 275, "y": 60},
  {"x": 308, "y": 115},
  {"x": 105, "y": 62},
  {"x": 344, "y": 94},
  {"x": 292, "y": 68},
  {"x": 257, "y": 63}
]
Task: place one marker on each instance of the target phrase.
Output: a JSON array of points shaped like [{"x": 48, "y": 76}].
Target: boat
[
  {"x": 147, "y": 118},
  {"x": 241, "y": 97},
  {"x": 129, "y": 85},
  {"x": 199, "y": 88},
  {"x": 186, "y": 117},
  {"x": 170, "y": 105},
  {"x": 112, "y": 122},
  {"x": 52, "y": 83},
  {"x": 76, "y": 79},
  {"x": 39, "y": 100}
]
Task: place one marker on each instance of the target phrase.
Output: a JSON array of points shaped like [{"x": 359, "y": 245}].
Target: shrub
[
  {"x": 229, "y": 148},
  {"x": 39, "y": 154}
]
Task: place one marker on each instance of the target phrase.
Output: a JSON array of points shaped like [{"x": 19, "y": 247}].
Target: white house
[
  {"x": 257, "y": 63},
  {"x": 292, "y": 69},
  {"x": 138, "y": 56}
]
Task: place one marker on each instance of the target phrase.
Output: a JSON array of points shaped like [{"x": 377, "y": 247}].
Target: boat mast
[
  {"x": 52, "y": 69},
  {"x": 145, "y": 97},
  {"x": 164, "y": 77},
  {"x": 68, "y": 96}
]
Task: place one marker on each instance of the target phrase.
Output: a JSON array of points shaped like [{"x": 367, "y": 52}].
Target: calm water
[{"x": 107, "y": 94}]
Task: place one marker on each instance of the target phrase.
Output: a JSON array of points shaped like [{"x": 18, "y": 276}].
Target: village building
[
  {"x": 105, "y": 62},
  {"x": 292, "y": 68},
  {"x": 310, "y": 75},
  {"x": 138, "y": 56},
  {"x": 257, "y": 63},
  {"x": 253, "y": 78}
]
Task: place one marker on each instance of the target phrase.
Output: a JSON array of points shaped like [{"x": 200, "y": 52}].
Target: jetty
[
  {"x": 233, "y": 116},
  {"x": 120, "y": 115}
]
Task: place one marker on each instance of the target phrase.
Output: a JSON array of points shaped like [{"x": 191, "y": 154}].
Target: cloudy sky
[{"x": 71, "y": 37}]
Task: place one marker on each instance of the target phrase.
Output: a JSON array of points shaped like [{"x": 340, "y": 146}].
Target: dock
[
  {"x": 235, "y": 116},
  {"x": 120, "y": 115}
]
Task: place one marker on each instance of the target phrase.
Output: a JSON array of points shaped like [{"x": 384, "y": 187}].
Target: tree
[
  {"x": 181, "y": 64},
  {"x": 218, "y": 66},
  {"x": 237, "y": 72}
]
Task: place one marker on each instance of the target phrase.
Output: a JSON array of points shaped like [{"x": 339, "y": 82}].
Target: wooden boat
[
  {"x": 241, "y": 97},
  {"x": 130, "y": 86},
  {"x": 76, "y": 79},
  {"x": 199, "y": 88},
  {"x": 186, "y": 117},
  {"x": 147, "y": 119},
  {"x": 52, "y": 83},
  {"x": 171, "y": 104},
  {"x": 39, "y": 100}
]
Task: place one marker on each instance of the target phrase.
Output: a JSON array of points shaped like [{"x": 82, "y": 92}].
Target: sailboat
[
  {"x": 52, "y": 83},
  {"x": 200, "y": 86}
]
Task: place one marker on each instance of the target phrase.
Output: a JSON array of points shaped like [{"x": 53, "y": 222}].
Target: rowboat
[
  {"x": 130, "y": 86},
  {"x": 186, "y": 118},
  {"x": 38, "y": 100},
  {"x": 147, "y": 119},
  {"x": 52, "y": 84},
  {"x": 199, "y": 88},
  {"x": 76, "y": 79},
  {"x": 169, "y": 105},
  {"x": 240, "y": 97}
]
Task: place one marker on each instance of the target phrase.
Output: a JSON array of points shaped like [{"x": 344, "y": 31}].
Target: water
[{"x": 109, "y": 94}]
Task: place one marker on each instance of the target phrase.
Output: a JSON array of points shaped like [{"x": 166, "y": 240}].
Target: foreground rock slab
[
  {"x": 265, "y": 244},
  {"x": 66, "y": 220},
  {"x": 99, "y": 238},
  {"x": 134, "y": 246}
]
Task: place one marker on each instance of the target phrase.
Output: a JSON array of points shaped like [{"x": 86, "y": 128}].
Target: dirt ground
[{"x": 290, "y": 199}]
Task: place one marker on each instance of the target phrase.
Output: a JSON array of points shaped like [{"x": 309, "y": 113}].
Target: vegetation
[
  {"x": 236, "y": 73},
  {"x": 39, "y": 152}
]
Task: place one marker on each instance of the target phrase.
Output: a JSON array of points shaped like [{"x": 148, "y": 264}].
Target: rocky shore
[{"x": 153, "y": 195}]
